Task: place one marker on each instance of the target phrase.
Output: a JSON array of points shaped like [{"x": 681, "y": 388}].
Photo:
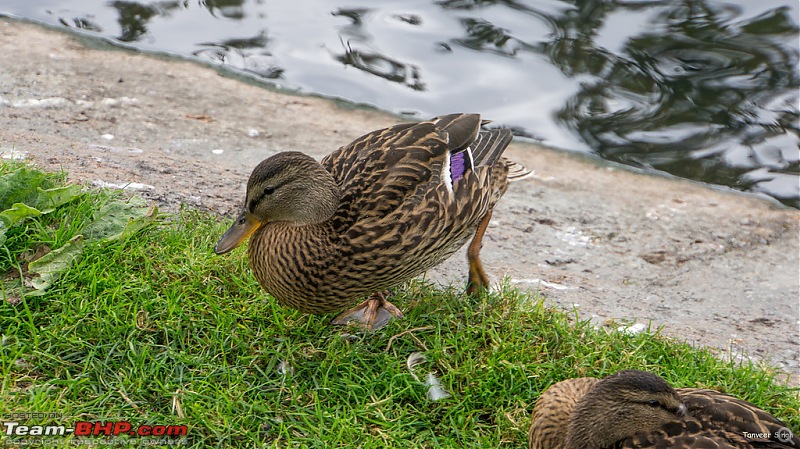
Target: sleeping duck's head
[
  {"x": 621, "y": 405},
  {"x": 288, "y": 187}
]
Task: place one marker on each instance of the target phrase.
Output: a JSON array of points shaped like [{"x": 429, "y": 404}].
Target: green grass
[{"x": 155, "y": 329}]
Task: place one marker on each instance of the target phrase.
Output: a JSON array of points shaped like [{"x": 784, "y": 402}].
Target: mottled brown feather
[
  {"x": 712, "y": 419},
  {"x": 553, "y": 411}
]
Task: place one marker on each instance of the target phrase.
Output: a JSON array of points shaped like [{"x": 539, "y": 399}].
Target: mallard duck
[
  {"x": 637, "y": 409},
  {"x": 372, "y": 214}
]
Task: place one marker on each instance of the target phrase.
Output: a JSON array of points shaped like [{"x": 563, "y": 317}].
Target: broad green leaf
[
  {"x": 49, "y": 199},
  {"x": 137, "y": 224},
  {"x": 20, "y": 186},
  {"x": 17, "y": 213},
  {"x": 49, "y": 267},
  {"x": 3, "y": 229},
  {"x": 119, "y": 219},
  {"x": 47, "y": 202}
]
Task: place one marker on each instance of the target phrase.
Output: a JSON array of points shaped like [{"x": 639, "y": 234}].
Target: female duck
[
  {"x": 371, "y": 215},
  {"x": 637, "y": 409}
]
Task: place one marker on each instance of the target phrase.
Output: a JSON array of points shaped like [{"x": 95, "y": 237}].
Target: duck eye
[
  {"x": 654, "y": 403},
  {"x": 269, "y": 190}
]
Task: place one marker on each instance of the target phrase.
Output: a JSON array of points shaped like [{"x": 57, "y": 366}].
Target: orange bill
[{"x": 239, "y": 231}]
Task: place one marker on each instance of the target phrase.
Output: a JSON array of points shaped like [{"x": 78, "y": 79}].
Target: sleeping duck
[{"x": 637, "y": 409}]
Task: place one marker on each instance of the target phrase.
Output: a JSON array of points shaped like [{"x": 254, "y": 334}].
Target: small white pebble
[
  {"x": 40, "y": 103},
  {"x": 13, "y": 155},
  {"x": 108, "y": 136},
  {"x": 217, "y": 151},
  {"x": 118, "y": 101},
  {"x": 540, "y": 282},
  {"x": 122, "y": 186},
  {"x": 632, "y": 329},
  {"x": 138, "y": 186},
  {"x": 252, "y": 132}
]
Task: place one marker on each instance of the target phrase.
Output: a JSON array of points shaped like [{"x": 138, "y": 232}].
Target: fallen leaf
[
  {"x": 201, "y": 117},
  {"x": 49, "y": 267},
  {"x": 49, "y": 199},
  {"x": 119, "y": 219},
  {"x": 17, "y": 213}
]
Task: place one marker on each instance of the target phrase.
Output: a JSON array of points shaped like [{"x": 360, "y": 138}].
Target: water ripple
[{"x": 702, "y": 89}]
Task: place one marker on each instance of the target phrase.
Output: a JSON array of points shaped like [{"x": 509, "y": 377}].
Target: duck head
[
  {"x": 288, "y": 187},
  {"x": 621, "y": 405}
]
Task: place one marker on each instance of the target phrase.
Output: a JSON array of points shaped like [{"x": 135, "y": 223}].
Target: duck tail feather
[
  {"x": 517, "y": 171},
  {"x": 489, "y": 145}
]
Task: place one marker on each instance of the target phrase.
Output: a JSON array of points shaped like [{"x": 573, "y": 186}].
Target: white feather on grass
[
  {"x": 434, "y": 389},
  {"x": 285, "y": 368},
  {"x": 414, "y": 359}
]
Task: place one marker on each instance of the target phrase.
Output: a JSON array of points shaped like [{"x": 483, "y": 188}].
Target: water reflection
[
  {"x": 133, "y": 18},
  {"x": 382, "y": 66},
  {"x": 370, "y": 60},
  {"x": 483, "y": 36},
  {"x": 229, "y": 9},
  {"x": 702, "y": 89},
  {"x": 248, "y": 54},
  {"x": 720, "y": 93},
  {"x": 81, "y": 23}
]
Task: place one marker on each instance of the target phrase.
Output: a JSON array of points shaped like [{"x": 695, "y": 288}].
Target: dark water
[{"x": 706, "y": 90}]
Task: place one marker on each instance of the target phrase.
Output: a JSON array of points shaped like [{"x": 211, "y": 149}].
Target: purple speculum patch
[{"x": 458, "y": 165}]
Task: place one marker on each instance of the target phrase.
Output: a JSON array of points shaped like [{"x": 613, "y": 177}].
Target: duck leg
[
  {"x": 372, "y": 314},
  {"x": 477, "y": 281}
]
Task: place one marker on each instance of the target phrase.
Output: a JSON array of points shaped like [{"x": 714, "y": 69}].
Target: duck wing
[
  {"x": 717, "y": 420},
  {"x": 724, "y": 412},
  {"x": 404, "y": 205},
  {"x": 401, "y": 165}
]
